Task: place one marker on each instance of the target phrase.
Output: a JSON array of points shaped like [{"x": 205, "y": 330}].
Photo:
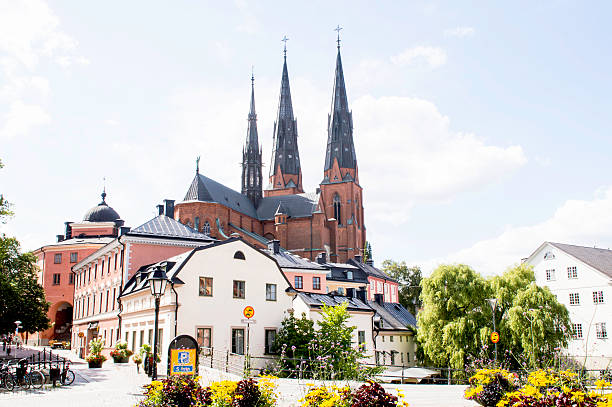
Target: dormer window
[
  {"x": 349, "y": 275},
  {"x": 549, "y": 256},
  {"x": 239, "y": 255}
]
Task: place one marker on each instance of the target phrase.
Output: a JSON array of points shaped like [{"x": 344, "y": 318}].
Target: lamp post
[
  {"x": 18, "y": 324},
  {"x": 157, "y": 282},
  {"x": 493, "y": 303}
]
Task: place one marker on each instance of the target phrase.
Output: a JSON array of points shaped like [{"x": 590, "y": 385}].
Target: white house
[
  {"x": 581, "y": 279},
  {"x": 211, "y": 286}
]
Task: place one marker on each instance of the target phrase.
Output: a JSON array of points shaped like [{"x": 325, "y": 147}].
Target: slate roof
[
  {"x": 82, "y": 240},
  {"x": 139, "y": 281},
  {"x": 394, "y": 316},
  {"x": 371, "y": 270},
  {"x": 314, "y": 300},
  {"x": 289, "y": 260},
  {"x": 296, "y": 206},
  {"x": 339, "y": 272},
  {"x": 207, "y": 190},
  {"x": 600, "y": 259},
  {"x": 164, "y": 226}
]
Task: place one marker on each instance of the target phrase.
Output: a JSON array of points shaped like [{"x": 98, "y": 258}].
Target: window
[
  {"x": 337, "y": 205},
  {"x": 141, "y": 338},
  {"x": 134, "y": 341},
  {"x": 361, "y": 340},
  {"x": 349, "y": 275},
  {"x": 383, "y": 338},
  {"x": 598, "y": 297},
  {"x": 95, "y": 272},
  {"x": 239, "y": 255},
  {"x": 114, "y": 297},
  {"x": 238, "y": 341},
  {"x": 102, "y": 270},
  {"x": 206, "y": 286},
  {"x": 196, "y": 223},
  {"x": 407, "y": 357},
  {"x": 299, "y": 282},
  {"x": 107, "y": 295},
  {"x": 572, "y": 272},
  {"x": 574, "y": 299},
  {"x": 550, "y": 275},
  {"x": 206, "y": 228},
  {"x": 391, "y": 338},
  {"x": 203, "y": 336},
  {"x": 70, "y": 278},
  {"x": 150, "y": 336},
  {"x": 115, "y": 261},
  {"x": 160, "y": 337},
  {"x": 101, "y": 296},
  {"x": 401, "y": 338},
  {"x": 341, "y": 290},
  {"x": 316, "y": 283},
  {"x": 577, "y": 331},
  {"x": 57, "y": 259},
  {"x": 74, "y": 257},
  {"x": 549, "y": 256},
  {"x": 56, "y": 279},
  {"x": 600, "y": 328},
  {"x": 270, "y": 339},
  {"x": 270, "y": 292},
  {"x": 111, "y": 337},
  {"x": 392, "y": 357},
  {"x": 238, "y": 289}
]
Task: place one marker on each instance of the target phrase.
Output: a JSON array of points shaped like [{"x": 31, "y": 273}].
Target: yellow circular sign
[
  {"x": 494, "y": 337},
  {"x": 248, "y": 312}
]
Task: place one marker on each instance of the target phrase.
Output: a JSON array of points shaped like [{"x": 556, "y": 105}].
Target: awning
[{"x": 92, "y": 325}]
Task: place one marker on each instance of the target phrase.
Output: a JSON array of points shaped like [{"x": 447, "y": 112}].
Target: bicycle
[
  {"x": 36, "y": 377},
  {"x": 20, "y": 377},
  {"x": 67, "y": 377},
  {"x": 6, "y": 378}
]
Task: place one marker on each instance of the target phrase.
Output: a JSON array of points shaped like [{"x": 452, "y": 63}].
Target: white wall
[
  {"x": 596, "y": 352},
  {"x": 401, "y": 342}
]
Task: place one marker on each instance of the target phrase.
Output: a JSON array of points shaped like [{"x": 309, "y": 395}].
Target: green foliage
[
  {"x": 21, "y": 297},
  {"x": 456, "y": 320},
  {"x": 5, "y": 207},
  {"x": 409, "y": 279},
  {"x": 294, "y": 336}
]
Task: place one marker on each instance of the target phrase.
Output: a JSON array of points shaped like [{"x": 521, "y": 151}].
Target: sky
[{"x": 482, "y": 129}]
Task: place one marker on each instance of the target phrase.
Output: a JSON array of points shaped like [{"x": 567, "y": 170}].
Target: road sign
[
  {"x": 494, "y": 337},
  {"x": 183, "y": 356},
  {"x": 248, "y": 312},
  {"x": 248, "y": 321}
]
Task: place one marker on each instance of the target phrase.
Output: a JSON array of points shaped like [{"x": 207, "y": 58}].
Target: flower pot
[
  {"x": 121, "y": 360},
  {"x": 95, "y": 364}
]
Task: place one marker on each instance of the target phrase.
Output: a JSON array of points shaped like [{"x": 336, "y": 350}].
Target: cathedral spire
[
  {"x": 251, "y": 155},
  {"x": 340, "y": 144},
  {"x": 285, "y": 170}
]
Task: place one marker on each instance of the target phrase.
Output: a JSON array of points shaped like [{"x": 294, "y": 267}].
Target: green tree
[
  {"x": 409, "y": 279},
  {"x": 5, "y": 207},
  {"x": 293, "y": 341},
  {"x": 21, "y": 297},
  {"x": 453, "y": 318}
]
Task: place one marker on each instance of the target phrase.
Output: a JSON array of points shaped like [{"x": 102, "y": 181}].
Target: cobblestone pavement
[{"x": 119, "y": 385}]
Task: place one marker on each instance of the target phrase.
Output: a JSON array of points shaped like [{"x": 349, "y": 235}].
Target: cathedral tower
[
  {"x": 251, "y": 156},
  {"x": 285, "y": 169},
  {"x": 341, "y": 194}
]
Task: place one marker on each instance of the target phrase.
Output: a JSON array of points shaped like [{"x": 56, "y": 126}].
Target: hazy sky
[{"x": 482, "y": 129}]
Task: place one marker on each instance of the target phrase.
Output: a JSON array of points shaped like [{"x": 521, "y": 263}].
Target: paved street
[{"x": 119, "y": 385}]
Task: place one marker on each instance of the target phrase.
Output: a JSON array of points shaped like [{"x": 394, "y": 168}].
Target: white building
[
  {"x": 581, "y": 279},
  {"x": 211, "y": 287}
]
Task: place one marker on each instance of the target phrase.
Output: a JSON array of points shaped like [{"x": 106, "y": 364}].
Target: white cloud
[
  {"x": 249, "y": 23},
  {"x": 408, "y": 153},
  {"x": 581, "y": 222},
  {"x": 21, "y": 118},
  {"x": 432, "y": 57},
  {"x": 460, "y": 32}
]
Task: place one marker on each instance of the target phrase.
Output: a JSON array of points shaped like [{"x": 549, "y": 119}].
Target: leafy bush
[
  {"x": 368, "y": 395},
  {"x": 327, "y": 397},
  {"x": 372, "y": 394},
  {"x": 488, "y": 386}
]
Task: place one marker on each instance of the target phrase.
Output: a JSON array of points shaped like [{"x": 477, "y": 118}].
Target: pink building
[
  {"x": 100, "y": 225},
  {"x": 100, "y": 276}
]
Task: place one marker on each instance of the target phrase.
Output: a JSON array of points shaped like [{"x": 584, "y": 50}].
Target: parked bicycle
[
  {"x": 6, "y": 378},
  {"x": 36, "y": 377},
  {"x": 67, "y": 376}
]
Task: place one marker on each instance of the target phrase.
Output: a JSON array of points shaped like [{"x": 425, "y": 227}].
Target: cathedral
[{"x": 329, "y": 220}]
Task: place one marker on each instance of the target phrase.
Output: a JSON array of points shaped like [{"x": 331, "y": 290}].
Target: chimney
[
  {"x": 322, "y": 258},
  {"x": 169, "y": 208},
  {"x": 350, "y": 292},
  {"x": 358, "y": 258},
  {"x": 274, "y": 246},
  {"x": 361, "y": 294},
  {"x": 68, "y": 233},
  {"x": 123, "y": 230},
  {"x": 60, "y": 238},
  {"x": 160, "y": 209},
  {"x": 379, "y": 298}
]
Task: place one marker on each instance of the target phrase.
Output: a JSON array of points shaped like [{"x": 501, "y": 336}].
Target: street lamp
[
  {"x": 157, "y": 282},
  {"x": 493, "y": 303}
]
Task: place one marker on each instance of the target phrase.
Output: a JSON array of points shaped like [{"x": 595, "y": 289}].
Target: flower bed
[{"x": 541, "y": 388}]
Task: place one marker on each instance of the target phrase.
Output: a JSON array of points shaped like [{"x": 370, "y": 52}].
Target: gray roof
[
  {"x": 288, "y": 260},
  {"x": 394, "y": 316},
  {"x": 83, "y": 240},
  {"x": 139, "y": 280},
  {"x": 101, "y": 212},
  {"x": 296, "y": 206},
  {"x": 164, "y": 226},
  {"x": 600, "y": 259},
  {"x": 371, "y": 270},
  {"x": 207, "y": 190},
  {"x": 314, "y": 300}
]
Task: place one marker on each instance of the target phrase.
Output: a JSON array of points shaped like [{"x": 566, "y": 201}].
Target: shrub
[
  {"x": 368, "y": 395},
  {"x": 372, "y": 394},
  {"x": 176, "y": 391},
  {"x": 247, "y": 394},
  {"x": 95, "y": 350},
  {"x": 488, "y": 386}
]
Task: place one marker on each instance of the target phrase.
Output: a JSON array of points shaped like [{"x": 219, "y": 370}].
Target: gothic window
[
  {"x": 206, "y": 228},
  {"x": 337, "y": 213},
  {"x": 196, "y": 223},
  {"x": 251, "y": 179}
]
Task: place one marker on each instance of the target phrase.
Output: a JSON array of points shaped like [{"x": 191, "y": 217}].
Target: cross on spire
[
  {"x": 285, "y": 39},
  {"x": 198, "y": 165},
  {"x": 252, "y": 75},
  {"x": 337, "y": 29}
]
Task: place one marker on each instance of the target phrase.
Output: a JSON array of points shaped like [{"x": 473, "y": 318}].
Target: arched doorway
[{"x": 62, "y": 322}]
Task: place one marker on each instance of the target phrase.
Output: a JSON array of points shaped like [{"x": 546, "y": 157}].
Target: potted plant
[
  {"x": 146, "y": 352},
  {"x": 138, "y": 360},
  {"x": 95, "y": 357},
  {"x": 121, "y": 353}
]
